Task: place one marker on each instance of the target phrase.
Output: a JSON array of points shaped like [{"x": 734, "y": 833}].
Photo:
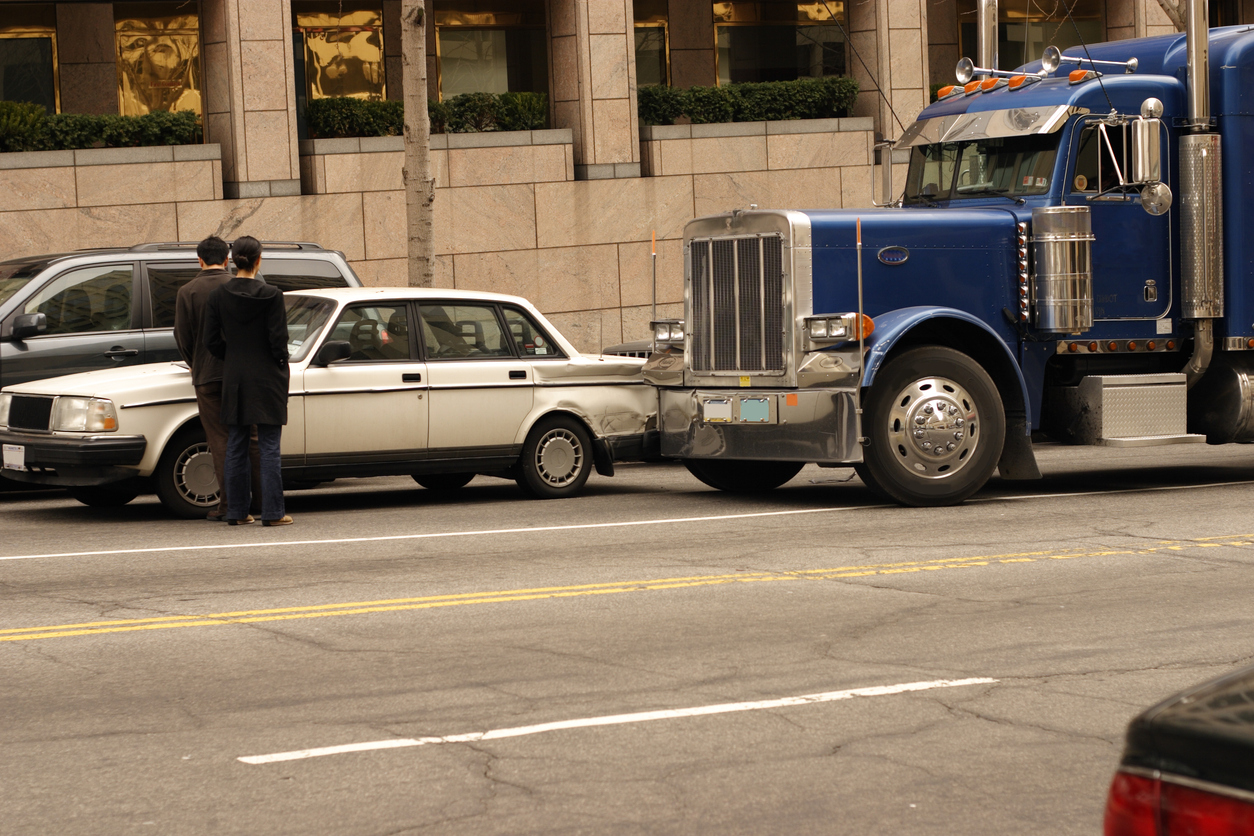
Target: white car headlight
[
  {"x": 92, "y": 415},
  {"x": 5, "y": 400}
]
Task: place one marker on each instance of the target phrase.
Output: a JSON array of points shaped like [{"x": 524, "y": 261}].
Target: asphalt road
[{"x": 624, "y": 662}]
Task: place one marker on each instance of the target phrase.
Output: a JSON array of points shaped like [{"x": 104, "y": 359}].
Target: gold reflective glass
[
  {"x": 158, "y": 48},
  {"x": 488, "y": 12},
  {"x": 778, "y": 11},
  {"x": 1025, "y": 31},
  {"x": 652, "y": 54},
  {"x": 343, "y": 50}
]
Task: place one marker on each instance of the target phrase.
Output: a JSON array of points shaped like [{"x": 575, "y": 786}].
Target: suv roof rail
[{"x": 185, "y": 245}]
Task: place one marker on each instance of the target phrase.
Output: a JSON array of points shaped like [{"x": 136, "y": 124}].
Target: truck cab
[{"x": 1069, "y": 256}]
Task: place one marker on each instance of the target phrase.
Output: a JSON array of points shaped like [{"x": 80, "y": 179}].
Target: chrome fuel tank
[{"x": 1062, "y": 252}]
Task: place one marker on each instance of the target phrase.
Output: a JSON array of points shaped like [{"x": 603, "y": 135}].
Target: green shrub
[
  {"x": 22, "y": 126},
  {"x": 473, "y": 112},
  {"x": 343, "y": 116},
  {"x": 708, "y": 104},
  {"x": 437, "y": 115},
  {"x": 523, "y": 112},
  {"x": 26, "y": 127},
  {"x": 805, "y": 98},
  {"x": 659, "y": 104}
]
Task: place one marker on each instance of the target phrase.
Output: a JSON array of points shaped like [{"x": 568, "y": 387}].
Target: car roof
[
  {"x": 419, "y": 293},
  {"x": 162, "y": 249}
]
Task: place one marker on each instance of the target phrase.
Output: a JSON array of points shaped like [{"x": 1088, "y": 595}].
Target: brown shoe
[
  {"x": 245, "y": 521},
  {"x": 283, "y": 520}
]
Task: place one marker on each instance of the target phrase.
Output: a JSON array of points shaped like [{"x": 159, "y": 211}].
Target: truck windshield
[{"x": 1011, "y": 166}]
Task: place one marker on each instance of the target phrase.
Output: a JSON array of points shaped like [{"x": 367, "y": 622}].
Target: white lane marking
[
  {"x": 584, "y": 526},
  {"x": 433, "y": 535},
  {"x": 616, "y": 720}
]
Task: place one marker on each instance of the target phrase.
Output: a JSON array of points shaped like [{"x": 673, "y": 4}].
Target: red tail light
[{"x": 1139, "y": 806}]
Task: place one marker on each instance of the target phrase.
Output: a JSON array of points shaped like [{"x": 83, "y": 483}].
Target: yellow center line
[{"x": 581, "y": 590}]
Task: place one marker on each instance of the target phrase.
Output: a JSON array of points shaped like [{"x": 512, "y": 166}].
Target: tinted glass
[
  {"x": 1095, "y": 169},
  {"x": 375, "y": 332},
  {"x": 461, "y": 332},
  {"x": 88, "y": 299},
  {"x": 300, "y": 274},
  {"x": 164, "y": 281},
  {"x": 14, "y": 275},
  {"x": 306, "y": 317},
  {"x": 529, "y": 338}
]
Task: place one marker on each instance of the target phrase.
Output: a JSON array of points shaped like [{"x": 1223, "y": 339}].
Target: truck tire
[
  {"x": 925, "y": 400},
  {"x": 740, "y": 476},
  {"x": 184, "y": 478},
  {"x": 106, "y": 496},
  {"x": 556, "y": 458},
  {"x": 443, "y": 481}
]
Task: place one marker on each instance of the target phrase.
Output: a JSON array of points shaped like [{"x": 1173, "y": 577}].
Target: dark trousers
[
  {"x": 209, "y": 404},
  {"x": 238, "y": 471}
]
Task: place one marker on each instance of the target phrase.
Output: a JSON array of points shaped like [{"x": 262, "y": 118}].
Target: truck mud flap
[{"x": 1018, "y": 461}]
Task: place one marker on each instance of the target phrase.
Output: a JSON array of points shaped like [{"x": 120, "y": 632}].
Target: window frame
[
  {"x": 400, "y": 304},
  {"x": 137, "y": 290}
]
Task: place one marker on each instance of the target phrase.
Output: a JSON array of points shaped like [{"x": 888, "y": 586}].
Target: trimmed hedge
[
  {"x": 27, "y": 127},
  {"x": 805, "y": 98},
  {"x": 470, "y": 112}
]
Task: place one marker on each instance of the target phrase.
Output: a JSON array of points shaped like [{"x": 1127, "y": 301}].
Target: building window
[
  {"x": 491, "y": 46},
  {"x": 339, "y": 50},
  {"x": 773, "y": 40},
  {"x": 652, "y": 43},
  {"x": 28, "y": 56},
  {"x": 158, "y": 48},
  {"x": 1024, "y": 30}
]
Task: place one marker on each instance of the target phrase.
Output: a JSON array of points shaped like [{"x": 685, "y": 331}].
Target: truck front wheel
[
  {"x": 735, "y": 476},
  {"x": 936, "y": 427}
]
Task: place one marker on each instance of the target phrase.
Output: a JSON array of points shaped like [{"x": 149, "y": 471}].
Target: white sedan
[{"x": 438, "y": 384}]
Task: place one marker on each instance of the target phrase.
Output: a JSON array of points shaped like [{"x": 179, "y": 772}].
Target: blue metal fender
[{"x": 892, "y": 326}]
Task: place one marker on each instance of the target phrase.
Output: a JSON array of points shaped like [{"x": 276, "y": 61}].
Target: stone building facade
[{"x": 565, "y": 216}]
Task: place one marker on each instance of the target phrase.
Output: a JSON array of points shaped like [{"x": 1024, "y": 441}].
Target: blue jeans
[{"x": 239, "y": 471}]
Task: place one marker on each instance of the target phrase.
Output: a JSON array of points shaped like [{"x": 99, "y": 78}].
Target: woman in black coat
[{"x": 246, "y": 326}]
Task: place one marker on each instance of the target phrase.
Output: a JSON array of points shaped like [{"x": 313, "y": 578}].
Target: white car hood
[
  {"x": 152, "y": 382},
  {"x": 586, "y": 368}
]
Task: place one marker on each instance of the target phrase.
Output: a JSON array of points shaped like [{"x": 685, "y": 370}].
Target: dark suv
[{"x": 104, "y": 308}]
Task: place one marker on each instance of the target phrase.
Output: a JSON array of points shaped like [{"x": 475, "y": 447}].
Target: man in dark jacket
[
  {"x": 189, "y": 315},
  {"x": 246, "y": 326}
]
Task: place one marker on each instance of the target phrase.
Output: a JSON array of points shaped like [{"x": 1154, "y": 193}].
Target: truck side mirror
[
  {"x": 1146, "y": 164},
  {"x": 331, "y": 351},
  {"x": 29, "y": 325}
]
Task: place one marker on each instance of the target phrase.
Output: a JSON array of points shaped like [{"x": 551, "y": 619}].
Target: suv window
[
  {"x": 164, "y": 280},
  {"x": 87, "y": 299}
]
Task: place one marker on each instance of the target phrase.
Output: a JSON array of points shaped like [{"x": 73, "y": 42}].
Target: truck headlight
[
  {"x": 5, "y": 400},
  {"x": 92, "y": 415},
  {"x": 668, "y": 331},
  {"x": 837, "y": 327}
]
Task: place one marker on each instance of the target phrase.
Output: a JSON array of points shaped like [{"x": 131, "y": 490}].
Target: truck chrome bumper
[{"x": 806, "y": 425}]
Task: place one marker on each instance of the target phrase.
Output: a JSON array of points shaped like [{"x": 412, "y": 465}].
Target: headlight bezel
[
  {"x": 78, "y": 414},
  {"x": 667, "y": 331},
  {"x": 826, "y": 329},
  {"x": 6, "y": 401}
]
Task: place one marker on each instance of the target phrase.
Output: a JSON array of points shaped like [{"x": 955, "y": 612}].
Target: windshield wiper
[{"x": 997, "y": 192}]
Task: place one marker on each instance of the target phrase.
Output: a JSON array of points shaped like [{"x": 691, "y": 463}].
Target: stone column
[
  {"x": 592, "y": 53},
  {"x": 691, "y": 32},
  {"x": 891, "y": 38},
  {"x": 87, "y": 55},
  {"x": 942, "y": 37},
  {"x": 250, "y": 101}
]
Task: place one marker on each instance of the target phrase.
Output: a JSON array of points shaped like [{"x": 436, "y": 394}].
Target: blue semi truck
[{"x": 1072, "y": 254}]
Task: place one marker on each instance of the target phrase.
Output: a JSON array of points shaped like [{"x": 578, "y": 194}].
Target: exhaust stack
[
  {"x": 986, "y": 33},
  {"x": 1201, "y": 207}
]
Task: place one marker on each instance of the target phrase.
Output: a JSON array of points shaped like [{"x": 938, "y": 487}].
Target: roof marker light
[
  {"x": 990, "y": 84},
  {"x": 947, "y": 92},
  {"x": 1078, "y": 76},
  {"x": 971, "y": 87},
  {"x": 1021, "y": 81}
]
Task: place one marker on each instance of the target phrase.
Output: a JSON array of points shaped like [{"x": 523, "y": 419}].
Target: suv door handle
[
  {"x": 411, "y": 378},
  {"x": 517, "y": 375},
  {"x": 119, "y": 351}
]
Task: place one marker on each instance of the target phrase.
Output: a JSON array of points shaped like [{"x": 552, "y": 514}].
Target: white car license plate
[
  {"x": 717, "y": 410},
  {"x": 14, "y": 457}
]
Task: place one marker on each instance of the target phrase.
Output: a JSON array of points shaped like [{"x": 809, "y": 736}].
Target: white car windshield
[{"x": 306, "y": 317}]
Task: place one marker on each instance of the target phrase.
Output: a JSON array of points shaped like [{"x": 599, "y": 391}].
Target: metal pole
[
  {"x": 861, "y": 330},
  {"x": 655, "y": 274}
]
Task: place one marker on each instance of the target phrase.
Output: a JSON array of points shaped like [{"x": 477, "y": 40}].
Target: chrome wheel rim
[
  {"x": 559, "y": 458},
  {"x": 194, "y": 477},
  {"x": 933, "y": 428}
]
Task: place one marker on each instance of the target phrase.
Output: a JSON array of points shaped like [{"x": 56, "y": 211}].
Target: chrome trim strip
[
  {"x": 167, "y": 402},
  {"x": 559, "y": 384},
  {"x": 1191, "y": 783},
  {"x": 522, "y": 384},
  {"x": 379, "y": 390},
  {"x": 987, "y": 124}
]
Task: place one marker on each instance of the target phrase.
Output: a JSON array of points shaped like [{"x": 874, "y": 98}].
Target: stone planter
[{"x": 756, "y": 146}]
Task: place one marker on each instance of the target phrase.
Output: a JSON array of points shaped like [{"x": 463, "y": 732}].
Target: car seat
[{"x": 365, "y": 340}]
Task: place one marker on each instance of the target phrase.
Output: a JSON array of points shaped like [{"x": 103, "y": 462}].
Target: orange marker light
[
  {"x": 945, "y": 91},
  {"x": 790, "y": 399},
  {"x": 1249, "y": 343},
  {"x": 1017, "y": 81},
  {"x": 1093, "y": 347},
  {"x": 1076, "y": 76},
  {"x": 971, "y": 87},
  {"x": 988, "y": 84},
  {"x": 1132, "y": 345},
  {"x": 868, "y": 327},
  {"x": 1112, "y": 346},
  {"x": 1171, "y": 345},
  {"x": 1151, "y": 345},
  {"x": 1073, "y": 347}
]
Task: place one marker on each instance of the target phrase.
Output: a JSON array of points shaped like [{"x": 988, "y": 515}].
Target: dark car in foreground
[{"x": 1188, "y": 765}]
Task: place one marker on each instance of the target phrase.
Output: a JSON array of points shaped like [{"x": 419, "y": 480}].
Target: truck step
[{"x": 1132, "y": 410}]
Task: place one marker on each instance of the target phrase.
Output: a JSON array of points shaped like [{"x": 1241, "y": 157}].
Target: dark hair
[
  {"x": 212, "y": 250},
  {"x": 245, "y": 252}
]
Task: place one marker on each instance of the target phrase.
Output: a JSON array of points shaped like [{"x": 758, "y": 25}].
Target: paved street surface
[{"x": 627, "y": 662}]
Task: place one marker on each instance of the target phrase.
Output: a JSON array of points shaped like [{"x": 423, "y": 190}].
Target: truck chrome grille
[
  {"x": 30, "y": 413},
  {"x": 738, "y": 304}
]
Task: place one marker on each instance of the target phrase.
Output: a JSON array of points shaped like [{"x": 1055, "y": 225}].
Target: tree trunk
[{"x": 419, "y": 187}]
